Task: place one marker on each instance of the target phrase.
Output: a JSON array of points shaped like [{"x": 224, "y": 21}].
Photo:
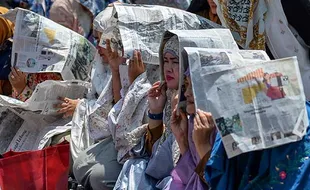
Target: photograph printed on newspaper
[{"x": 256, "y": 106}]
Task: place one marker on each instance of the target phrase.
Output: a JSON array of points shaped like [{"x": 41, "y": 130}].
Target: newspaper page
[
  {"x": 47, "y": 94},
  {"x": 10, "y": 123},
  {"x": 37, "y": 131},
  {"x": 207, "y": 38},
  {"x": 258, "y": 106},
  {"x": 140, "y": 27},
  {"x": 41, "y": 45}
]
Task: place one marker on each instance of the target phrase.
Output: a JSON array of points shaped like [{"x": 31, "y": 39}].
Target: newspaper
[
  {"x": 208, "y": 38},
  {"x": 41, "y": 45},
  {"x": 10, "y": 123},
  {"x": 257, "y": 106},
  {"x": 46, "y": 95},
  {"x": 140, "y": 27},
  {"x": 37, "y": 137}
]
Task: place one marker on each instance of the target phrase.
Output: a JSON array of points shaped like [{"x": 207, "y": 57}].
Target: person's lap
[{"x": 97, "y": 166}]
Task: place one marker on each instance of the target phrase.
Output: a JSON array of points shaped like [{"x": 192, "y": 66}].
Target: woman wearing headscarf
[
  {"x": 157, "y": 152},
  {"x": 195, "y": 139},
  {"x": 90, "y": 114},
  {"x": 73, "y": 15},
  {"x": 98, "y": 166},
  {"x": 6, "y": 32}
]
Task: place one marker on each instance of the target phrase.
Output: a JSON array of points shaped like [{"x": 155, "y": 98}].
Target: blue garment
[
  {"x": 96, "y": 6},
  {"x": 5, "y": 60},
  {"x": 37, "y": 7},
  {"x": 286, "y": 167}
]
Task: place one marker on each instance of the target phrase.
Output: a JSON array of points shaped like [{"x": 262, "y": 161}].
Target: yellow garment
[{"x": 6, "y": 27}]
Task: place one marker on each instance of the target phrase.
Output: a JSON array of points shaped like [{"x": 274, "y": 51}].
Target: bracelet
[{"x": 155, "y": 116}]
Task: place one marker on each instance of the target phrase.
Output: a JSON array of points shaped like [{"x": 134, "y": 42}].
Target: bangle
[{"x": 155, "y": 116}]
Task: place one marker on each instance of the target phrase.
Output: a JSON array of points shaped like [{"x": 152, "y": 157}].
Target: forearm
[
  {"x": 116, "y": 86},
  {"x": 152, "y": 136}
]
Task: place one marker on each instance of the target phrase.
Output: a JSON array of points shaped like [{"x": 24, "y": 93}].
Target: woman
[
  {"x": 158, "y": 142},
  {"x": 98, "y": 167},
  {"x": 73, "y": 15},
  {"x": 6, "y": 32},
  {"x": 195, "y": 139},
  {"x": 90, "y": 114}
]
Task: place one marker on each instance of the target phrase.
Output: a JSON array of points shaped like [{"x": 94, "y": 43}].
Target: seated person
[{"x": 195, "y": 139}]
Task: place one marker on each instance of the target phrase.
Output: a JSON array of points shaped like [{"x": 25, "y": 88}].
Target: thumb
[{"x": 183, "y": 115}]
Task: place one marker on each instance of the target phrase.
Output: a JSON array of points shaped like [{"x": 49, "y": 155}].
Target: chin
[
  {"x": 172, "y": 85},
  {"x": 190, "y": 109}
]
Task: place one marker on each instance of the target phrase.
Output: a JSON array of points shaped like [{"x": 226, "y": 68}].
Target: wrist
[
  {"x": 155, "y": 116},
  {"x": 115, "y": 71},
  {"x": 155, "y": 111},
  {"x": 203, "y": 149}
]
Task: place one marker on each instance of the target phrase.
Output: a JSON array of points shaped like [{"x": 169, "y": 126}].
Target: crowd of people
[{"x": 134, "y": 136}]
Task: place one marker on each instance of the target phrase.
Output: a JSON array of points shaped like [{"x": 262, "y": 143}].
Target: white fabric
[
  {"x": 130, "y": 113},
  {"x": 88, "y": 120},
  {"x": 282, "y": 42}
]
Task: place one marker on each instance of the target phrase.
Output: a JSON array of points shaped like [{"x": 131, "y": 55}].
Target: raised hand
[
  {"x": 204, "y": 127},
  {"x": 136, "y": 67},
  {"x": 18, "y": 80}
]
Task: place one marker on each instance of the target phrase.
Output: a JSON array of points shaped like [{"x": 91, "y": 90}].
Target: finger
[
  {"x": 163, "y": 88},
  {"x": 203, "y": 118},
  {"x": 108, "y": 46},
  {"x": 195, "y": 124},
  {"x": 210, "y": 120},
  {"x": 199, "y": 123},
  {"x": 61, "y": 98},
  {"x": 135, "y": 57},
  {"x": 63, "y": 110},
  {"x": 14, "y": 73},
  {"x": 139, "y": 55},
  {"x": 183, "y": 115},
  {"x": 130, "y": 66},
  {"x": 156, "y": 83}
]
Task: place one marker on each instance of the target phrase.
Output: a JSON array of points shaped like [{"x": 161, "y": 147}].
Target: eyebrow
[{"x": 171, "y": 58}]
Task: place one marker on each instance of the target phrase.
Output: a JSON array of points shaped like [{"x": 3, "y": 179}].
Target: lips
[{"x": 168, "y": 77}]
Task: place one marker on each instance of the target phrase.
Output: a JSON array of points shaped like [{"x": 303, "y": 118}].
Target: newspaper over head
[
  {"x": 140, "y": 27},
  {"x": 208, "y": 38},
  {"x": 255, "y": 105},
  {"x": 41, "y": 45}
]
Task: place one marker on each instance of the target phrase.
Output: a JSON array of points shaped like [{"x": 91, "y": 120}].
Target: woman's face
[
  {"x": 190, "y": 103},
  {"x": 212, "y": 6},
  {"x": 171, "y": 70},
  {"x": 102, "y": 51}
]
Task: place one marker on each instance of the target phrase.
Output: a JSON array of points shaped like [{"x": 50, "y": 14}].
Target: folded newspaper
[
  {"x": 46, "y": 95},
  {"x": 140, "y": 27},
  {"x": 41, "y": 45},
  {"x": 255, "y": 106},
  {"x": 25, "y": 130}
]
